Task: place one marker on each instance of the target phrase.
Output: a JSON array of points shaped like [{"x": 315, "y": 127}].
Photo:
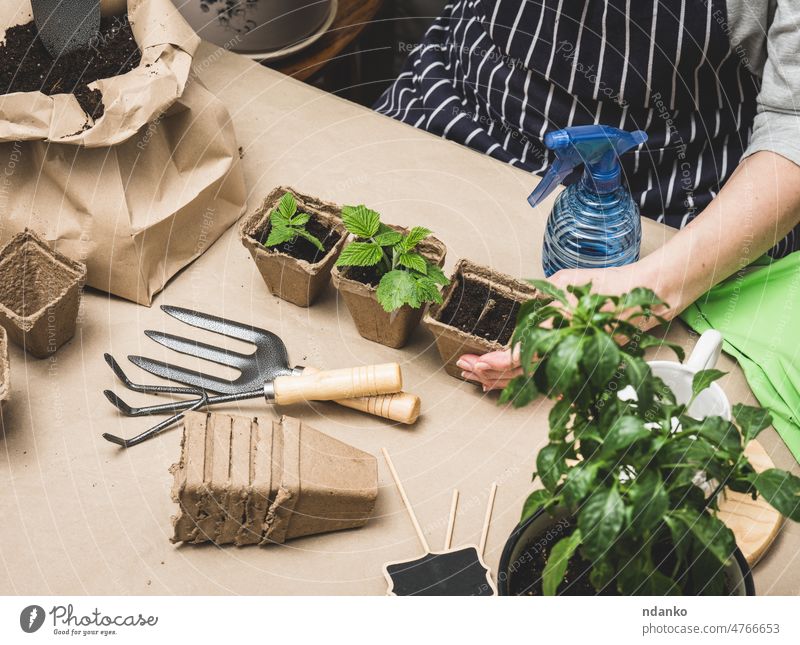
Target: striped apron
[{"x": 496, "y": 75}]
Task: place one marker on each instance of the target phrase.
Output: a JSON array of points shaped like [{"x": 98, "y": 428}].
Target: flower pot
[
  {"x": 478, "y": 313},
  {"x": 297, "y": 280},
  {"x": 40, "y": 292},
  {"x": 241, "y": 481},
  {"x": 5, "y": 368},
  {"x": 373, "y": 323},
  {"x": 542, "y": 531}
]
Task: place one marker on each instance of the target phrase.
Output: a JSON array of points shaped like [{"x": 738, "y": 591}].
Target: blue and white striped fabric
[{"x": 496, "y": 75}]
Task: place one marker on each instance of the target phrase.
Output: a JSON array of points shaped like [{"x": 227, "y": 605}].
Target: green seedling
[
  {"x": 406, "y": 276},
  {"x": 286, "y": 224}
]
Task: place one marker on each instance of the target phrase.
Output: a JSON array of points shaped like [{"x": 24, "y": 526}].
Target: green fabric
[{"x": 757, "y": 311}]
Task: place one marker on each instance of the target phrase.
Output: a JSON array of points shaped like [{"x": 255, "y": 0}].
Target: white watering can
[{"x": 678, "y": 377}]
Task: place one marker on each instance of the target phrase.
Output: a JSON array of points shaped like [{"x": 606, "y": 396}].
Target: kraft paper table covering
[{"x": 81, "y": 516}]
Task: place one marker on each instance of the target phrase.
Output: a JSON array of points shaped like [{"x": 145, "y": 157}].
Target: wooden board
[{"x": 754, "y": 523}]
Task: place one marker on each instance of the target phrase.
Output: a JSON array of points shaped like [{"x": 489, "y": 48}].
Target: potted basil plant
[{"x": 630, "y": 484}]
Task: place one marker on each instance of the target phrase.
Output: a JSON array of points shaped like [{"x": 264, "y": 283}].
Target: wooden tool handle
[
  {"x": 401, "y": 407},
  {"x": 338, "y": 384}
]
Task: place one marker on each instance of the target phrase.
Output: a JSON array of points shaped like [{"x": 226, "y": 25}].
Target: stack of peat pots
[{"x": 244, "y": 481}]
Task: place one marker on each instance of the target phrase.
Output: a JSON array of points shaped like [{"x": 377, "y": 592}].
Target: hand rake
[
  {"x": 266, "y": 372},
  {"x": 269, "y": 361}
]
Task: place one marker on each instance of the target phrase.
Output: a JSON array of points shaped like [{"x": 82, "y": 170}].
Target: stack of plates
[{"x": 260, "y": 29}]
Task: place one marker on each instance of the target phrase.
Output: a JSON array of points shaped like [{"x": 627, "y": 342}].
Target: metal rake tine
[
  {"x": 215, "y": 324},
  {"x": 183, "y": 375},
  {"x": 162, "y": 408},
  {"x": 200, "y": 350},
  {"x": 144, "y": 389},
  {"x": 151, "y": 432}
]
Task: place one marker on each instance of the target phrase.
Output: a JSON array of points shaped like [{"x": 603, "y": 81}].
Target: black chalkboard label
[{"x": 460, "y": 572}]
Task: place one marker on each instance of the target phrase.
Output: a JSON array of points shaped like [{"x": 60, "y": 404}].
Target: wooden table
[
  {"x": 352, "y": 17},
  {"x": 81, "y": 516}
]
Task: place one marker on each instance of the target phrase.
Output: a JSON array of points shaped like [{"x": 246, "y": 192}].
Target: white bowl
[{"x": 255, "y": 26}]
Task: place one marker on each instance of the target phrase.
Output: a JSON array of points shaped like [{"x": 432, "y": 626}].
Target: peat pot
[
  {"x": 40, "y": 292},
  {"x": 297, "y": 280},
  {"x": 372, "y": 321},
  {"x": 478, "y": 314}
]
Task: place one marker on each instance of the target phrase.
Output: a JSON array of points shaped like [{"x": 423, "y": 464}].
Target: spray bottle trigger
[{"x": 555, "y": 175}]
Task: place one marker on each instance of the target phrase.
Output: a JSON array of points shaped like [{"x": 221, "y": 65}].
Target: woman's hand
[
  {"x": 758, "y": 206},
  {"x": 494, "y": 370}
]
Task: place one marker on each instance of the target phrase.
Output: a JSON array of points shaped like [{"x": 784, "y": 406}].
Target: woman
[{"x": 715, "y": 84}]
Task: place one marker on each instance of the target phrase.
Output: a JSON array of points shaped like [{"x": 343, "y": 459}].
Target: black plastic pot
[{"x": 538, "y": 526}]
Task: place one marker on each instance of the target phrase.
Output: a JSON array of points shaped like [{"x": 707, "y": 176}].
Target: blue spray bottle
[{"x": 595, "y": 222}]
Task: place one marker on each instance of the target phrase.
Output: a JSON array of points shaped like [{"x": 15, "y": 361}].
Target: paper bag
[{"x": 144, "y": 190}]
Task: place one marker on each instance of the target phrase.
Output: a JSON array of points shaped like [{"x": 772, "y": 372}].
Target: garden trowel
[{"x": 66, "y": 25}]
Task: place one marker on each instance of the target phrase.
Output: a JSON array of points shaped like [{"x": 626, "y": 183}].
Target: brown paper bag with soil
[{"x": 142, "y": 191}]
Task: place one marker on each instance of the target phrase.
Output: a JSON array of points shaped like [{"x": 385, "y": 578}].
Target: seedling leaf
[
  {"x": 415, "y": 236},
  {"x": 361, "y": 221},
  {"x": 397, "y": 288},
  {"x": 704, "y": 378},
  {"x": 412, "y": 261},
  {"x": 360, "y": 254}
]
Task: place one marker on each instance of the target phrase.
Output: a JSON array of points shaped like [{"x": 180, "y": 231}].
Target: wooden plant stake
[
  {"x": 451, "y": 524},
  {"x": 451, "y": 572}
]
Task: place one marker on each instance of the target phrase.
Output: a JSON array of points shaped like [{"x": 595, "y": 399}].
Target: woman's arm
[{"x": 756, "y": 208}]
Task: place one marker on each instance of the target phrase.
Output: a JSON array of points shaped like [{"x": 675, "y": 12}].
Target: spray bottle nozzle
[{"x": 596, "y": 146}]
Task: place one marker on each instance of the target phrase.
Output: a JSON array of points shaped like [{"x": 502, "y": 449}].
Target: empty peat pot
[
  {"x": 5, "y": 369},
  {"x": 526, "y": 551},
  {"x": 359, "y": 290},
  {"x": 244, "y": 481},
  {"x": 40, "y": 291},
  {"x": 296, "y": 271},
  {"x": 478, "y": 314}
]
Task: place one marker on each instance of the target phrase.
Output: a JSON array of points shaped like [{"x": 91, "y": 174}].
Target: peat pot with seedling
[
  {"x": 294, "y": 240},
  {"x": 387, "y": 275},
  {"x": 631, "y": 484}
]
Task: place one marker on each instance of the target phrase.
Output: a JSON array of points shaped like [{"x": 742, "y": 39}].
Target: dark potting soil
[
  {"x": 301, "y": 248},
  {"x": 368, "y": 275},
  {"x": 27, "y": 66},
  {"x": 527, "y": 579},
  {"x": 478, "y": 310}
]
